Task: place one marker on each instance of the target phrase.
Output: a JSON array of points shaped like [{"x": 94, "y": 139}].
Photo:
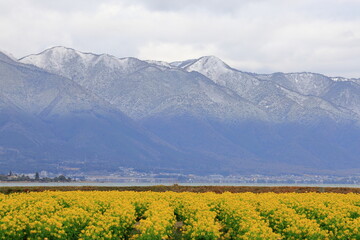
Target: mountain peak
[
  {"x": 209, "y": 62},
  {"x": 65, "y": 50},
  {"x": 60, "y": 49},
  {"x": 211, "y": 58},
  {"x": 55, "y": 57},
  {"x": 72, "y": 64},
  {"x": 61, "y": 54},
  {"x": 210, "y": 66},
  {"x": 65, "y": 53}
]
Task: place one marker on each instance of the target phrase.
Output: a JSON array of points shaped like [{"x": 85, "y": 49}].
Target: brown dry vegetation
[{"x": 179, "y": 188}]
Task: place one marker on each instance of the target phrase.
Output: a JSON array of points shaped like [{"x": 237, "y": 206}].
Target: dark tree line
[{"x": 17, "y": 177}]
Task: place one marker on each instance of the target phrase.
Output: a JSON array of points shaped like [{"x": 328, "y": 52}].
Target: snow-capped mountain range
[{"x": 198, "y": 115}]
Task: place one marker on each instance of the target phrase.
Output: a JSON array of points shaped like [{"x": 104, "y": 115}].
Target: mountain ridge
[
  {"x": 208, "y": 116},
  {"x": 76, "y": 125}
]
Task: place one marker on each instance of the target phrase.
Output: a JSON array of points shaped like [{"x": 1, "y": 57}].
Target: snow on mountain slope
[
  {"x": 342, "y": 93},
  {"x": 222, "y": 118},
  {"x": 152, "y": 92},
  {"x": 145, "y": 88},
  {"x": 142, "y": 89},
  {"x": 210, "y": 66},
  {"x": 182, "y": 64},
  {"x": 42, "y": 92},
  {"x": 80, "y": 66},
  {"x": 342, "y": 79},
  {"x": 286, "y": 97},
  {"x": 73, "y": 124},
  {"x": 303, "y": 83},
  {"x": 155, "y": 95},
  {"x": 161, "y": 64},
  {"x": 345, "y": 94}
]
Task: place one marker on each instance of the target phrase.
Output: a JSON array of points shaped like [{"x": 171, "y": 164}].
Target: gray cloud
[
  {"x": 217, "y": 6},
  {"x": 258, "y": 36}
]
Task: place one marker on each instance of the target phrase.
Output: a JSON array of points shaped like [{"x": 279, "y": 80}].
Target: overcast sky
[{"x": 251, "y": 35}]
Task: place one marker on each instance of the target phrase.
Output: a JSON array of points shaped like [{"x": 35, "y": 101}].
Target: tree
[
  {"x": 60, "y": 178},
  {"x": 37, "y": 176}
]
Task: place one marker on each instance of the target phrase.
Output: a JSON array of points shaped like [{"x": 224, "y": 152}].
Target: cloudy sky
[{"x": 252, "y": 35}]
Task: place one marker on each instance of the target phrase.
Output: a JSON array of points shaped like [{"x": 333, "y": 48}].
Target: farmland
[{"x": 184, "y": 215}]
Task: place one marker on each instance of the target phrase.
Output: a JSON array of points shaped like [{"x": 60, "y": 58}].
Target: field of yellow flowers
[{"x": 169, "y": 215}]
